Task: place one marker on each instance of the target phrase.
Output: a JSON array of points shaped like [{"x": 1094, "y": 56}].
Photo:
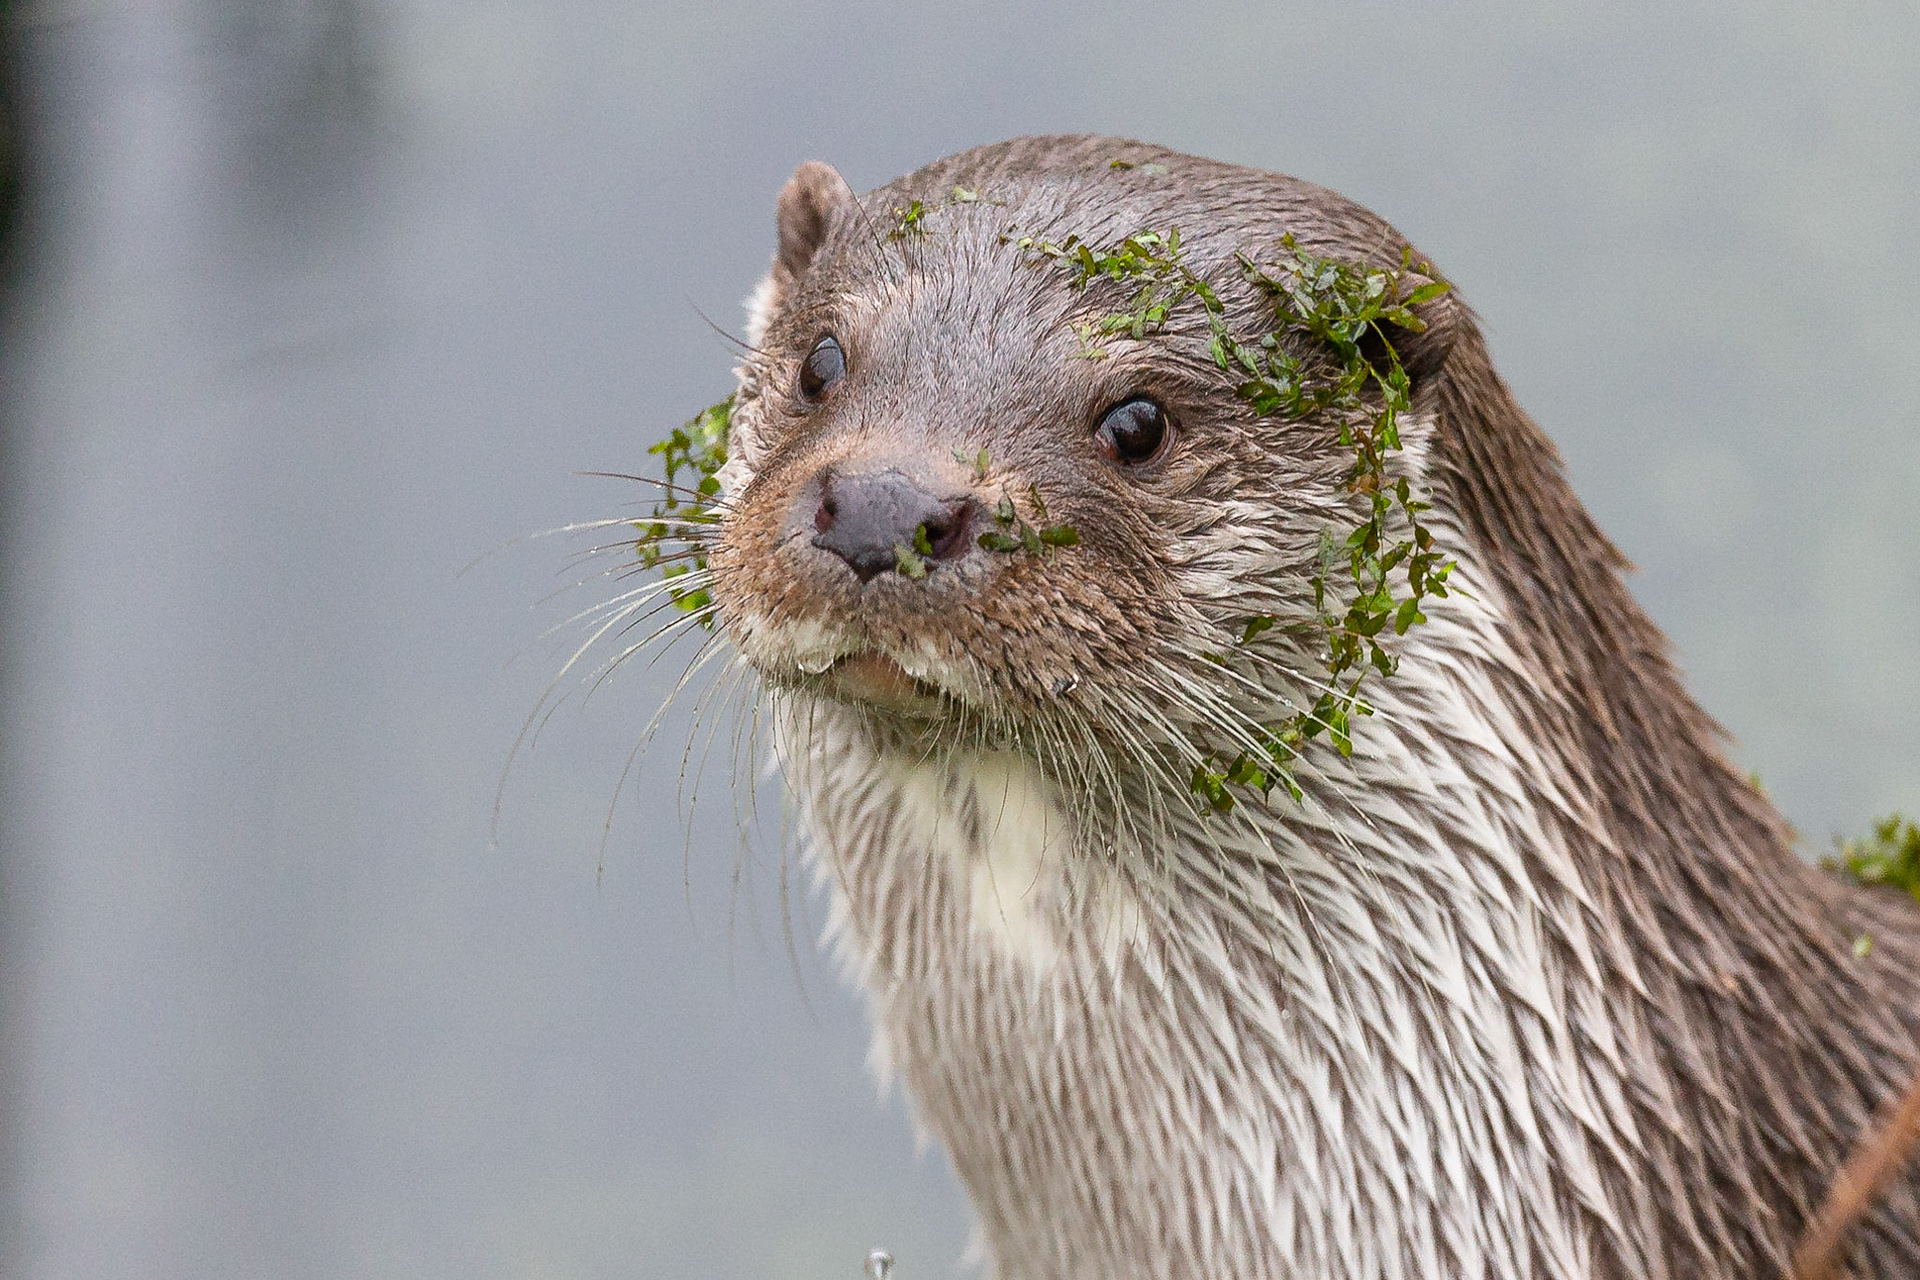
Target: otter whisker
[
  {"x": 628, "y": 563},
  {"x": 545, "y": 706},
  {"x": 743, "y": 849},
  {"x": 716, "y": 502},
  {"x": 625, "y": 611},
  {"x": 786, "y": 842},
  {"x": 613, "y": 804},
  {"x": 701, "y": 655},
  {"x": 676, "y": 598},
  {"x": 672, "y": 631},
  {"x": 594, "y": 679},
  {"x": 707, "y": 653},
  {"x": 742, "y": 681},
  {"x": 617, "y": 573},
  {"x": 606, "y": 827},
  {"x": 579, "y": 526},
  {"x": 636, "y": 597},
  {"x": 1152, "y": 756},
  {"x": 1130, "y": 828},
  {"x": 1217, "y": 712},
  {"x": 638, "y": 612},
  {"x": 1079, "y": 764},
  {"x": 1263, "y": 735},
  {"x": 690, "y": 548},
  {"x": 1097, "y": 767},
  {"x": 738, "y": 343},
  {"x": 628, "y": 570}
]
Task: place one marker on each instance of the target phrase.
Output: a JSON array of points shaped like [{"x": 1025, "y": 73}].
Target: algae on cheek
[{"x": 676, "y": 534}]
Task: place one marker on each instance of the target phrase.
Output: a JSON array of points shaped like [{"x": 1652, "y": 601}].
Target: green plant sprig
[
  {"x": 977, "y": 461},
  {"x": 1151, "y": 257},
  {"x": 1015, "y": 534},
  {"x": 1890, "y": 856},
  {"x": 1338, "y": 305},
  {"x": 911, "y": 561},
  {"x": 672, "y": 535},
  {"x": 910, "y": 219}
]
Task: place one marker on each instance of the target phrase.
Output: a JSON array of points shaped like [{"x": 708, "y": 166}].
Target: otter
[{"x": 1524, "y": 980}]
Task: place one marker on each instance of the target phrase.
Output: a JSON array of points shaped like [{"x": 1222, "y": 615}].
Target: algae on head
[
  {"x": 675, "y": 535},
  {"x": 1370, "y": 577}
]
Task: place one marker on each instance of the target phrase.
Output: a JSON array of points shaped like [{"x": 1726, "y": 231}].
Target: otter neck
[
  {"x": 1370, "y": 1038},
  {"x": 1757, "y": 1043}
]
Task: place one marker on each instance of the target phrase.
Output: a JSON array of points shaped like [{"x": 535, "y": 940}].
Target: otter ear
[
  {"x": 814, "y": 201},
  {"x": 1424, "y": 353}
]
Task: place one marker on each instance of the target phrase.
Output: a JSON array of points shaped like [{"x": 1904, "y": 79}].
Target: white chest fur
[{"x": 996, "y": 827}]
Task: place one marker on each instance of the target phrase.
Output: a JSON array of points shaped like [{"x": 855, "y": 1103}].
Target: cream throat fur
[{"x": 1525, "y": 983}]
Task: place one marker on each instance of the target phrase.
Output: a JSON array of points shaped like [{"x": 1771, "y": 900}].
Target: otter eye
[
  {"x": 825, "y": 365},
  {"x": 1132, "y": 432}
]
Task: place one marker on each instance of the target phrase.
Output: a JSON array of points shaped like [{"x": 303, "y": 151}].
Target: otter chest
[{"x": 1226, "y": 1068}]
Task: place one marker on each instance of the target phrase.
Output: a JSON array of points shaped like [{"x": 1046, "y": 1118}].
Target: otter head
[{"x": 959, "y": 508}]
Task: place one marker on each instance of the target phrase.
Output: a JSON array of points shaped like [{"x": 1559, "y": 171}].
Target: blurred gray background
[{"x": 321, "y": 301}]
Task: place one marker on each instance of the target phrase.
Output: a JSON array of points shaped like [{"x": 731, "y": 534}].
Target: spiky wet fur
[{"x": 1530, "y": 986}]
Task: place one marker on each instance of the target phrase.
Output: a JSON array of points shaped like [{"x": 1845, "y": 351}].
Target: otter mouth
[{"x": 875, "y": 679}]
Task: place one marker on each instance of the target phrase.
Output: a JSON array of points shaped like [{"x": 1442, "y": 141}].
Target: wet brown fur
[{"x": 1773, "y": 1045}]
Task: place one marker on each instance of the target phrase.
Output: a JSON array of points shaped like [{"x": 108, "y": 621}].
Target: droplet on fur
[
  {"x": 1065, "y": 685},
  {"x": 815, "y": 664},
  {"x": 879, "y": 1265}
]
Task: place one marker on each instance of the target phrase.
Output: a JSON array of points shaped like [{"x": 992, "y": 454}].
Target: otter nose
[{"x": 867, "y": 519}]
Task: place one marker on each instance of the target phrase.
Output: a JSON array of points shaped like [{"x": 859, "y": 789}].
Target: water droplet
[
  {"x": 815, "y": 664},
  {"x": 879, "y": 1265}
]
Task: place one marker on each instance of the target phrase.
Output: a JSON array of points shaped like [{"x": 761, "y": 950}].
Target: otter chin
[
  {"x": 1521, "y": 979},
  {"x": 877, "y": 680}
]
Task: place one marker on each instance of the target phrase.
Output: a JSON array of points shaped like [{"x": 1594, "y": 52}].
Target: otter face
[{"x": 917, "y": 409}]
